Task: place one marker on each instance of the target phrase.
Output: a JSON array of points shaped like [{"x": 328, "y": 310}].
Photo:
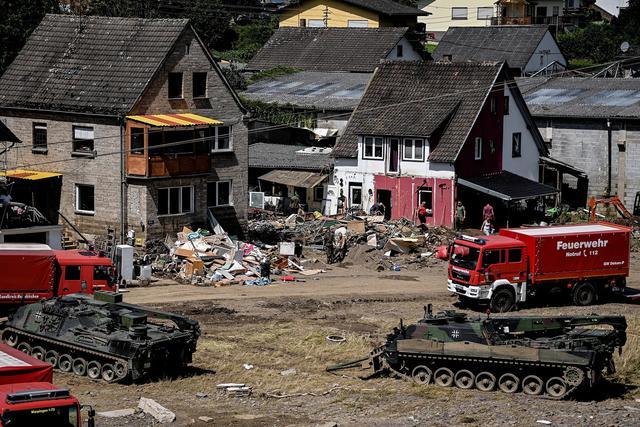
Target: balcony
[
  {"x": 508, "y": 20},
  {"x": 159, "y": 148}
]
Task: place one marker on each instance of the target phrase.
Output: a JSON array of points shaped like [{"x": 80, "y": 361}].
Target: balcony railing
[{"x": 168, "y": 165}]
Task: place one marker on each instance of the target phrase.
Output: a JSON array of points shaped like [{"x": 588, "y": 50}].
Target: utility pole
[{"x": 325, "y": 16}]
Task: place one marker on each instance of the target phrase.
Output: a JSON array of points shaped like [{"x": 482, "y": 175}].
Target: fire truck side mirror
[{"x": 91, "y": 414}]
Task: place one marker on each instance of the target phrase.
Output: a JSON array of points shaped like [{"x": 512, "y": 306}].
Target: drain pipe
[
  {"x": 123, "y": 182},
  {"x": 609, "y": 156}
]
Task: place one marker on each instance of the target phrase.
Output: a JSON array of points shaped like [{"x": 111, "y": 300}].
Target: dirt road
[{"x": 281, "y": 331}]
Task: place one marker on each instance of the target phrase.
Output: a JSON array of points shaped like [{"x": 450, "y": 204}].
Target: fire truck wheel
[
  {"x": 502, "y": 301},
  {"x": 584, "y": 294}
]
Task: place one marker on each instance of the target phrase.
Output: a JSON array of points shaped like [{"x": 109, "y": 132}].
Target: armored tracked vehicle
[
  {"x": 534, "y": 355},
  {"x": 102, "y": 337}
]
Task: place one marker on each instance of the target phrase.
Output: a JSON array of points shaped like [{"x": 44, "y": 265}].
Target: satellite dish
[{"x": 624, "y": 47}]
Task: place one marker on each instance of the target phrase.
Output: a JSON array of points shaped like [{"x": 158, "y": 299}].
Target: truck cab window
[
  {"x": 101, "y": 272},
  {"x": 515, "y": 255},
  {"x": 72, "y": 272},
  {"x": 490, "y": 257}
]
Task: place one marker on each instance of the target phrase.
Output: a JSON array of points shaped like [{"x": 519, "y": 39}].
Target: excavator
[{"x": 614, "y": 201}]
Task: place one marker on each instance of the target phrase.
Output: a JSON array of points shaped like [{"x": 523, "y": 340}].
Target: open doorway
[{"x": 384, "y": 197}]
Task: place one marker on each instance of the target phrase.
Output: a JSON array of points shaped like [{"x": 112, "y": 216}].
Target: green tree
[
  {"x": 597, "y": 43},
  {"x": 17, "y": 21}
]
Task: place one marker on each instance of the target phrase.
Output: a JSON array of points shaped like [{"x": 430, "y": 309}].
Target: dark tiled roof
[
  {"x": 312, "y": 89},
  {"x": 88, "y": 64},
  {"x": 327, "y": 49},
  {"x": 582, "y": 97},
  {"x": 415, "y": 98},
  {"x": 268, "y": 156},
  {"x": 508, "y": 186},
  {"x": 512, "y": 43},
  {"x": 383, "y": 7}
]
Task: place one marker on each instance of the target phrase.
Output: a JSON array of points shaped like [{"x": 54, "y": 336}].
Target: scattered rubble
[
  {"x": 117, "y": 413},
  {"x": 289, "y": 249}
]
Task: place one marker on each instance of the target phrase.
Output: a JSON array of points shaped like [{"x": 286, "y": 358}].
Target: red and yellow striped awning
[{"x": 186, "y": 119}]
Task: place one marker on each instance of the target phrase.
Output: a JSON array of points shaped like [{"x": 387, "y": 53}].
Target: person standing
[
  {"x": 342, "y": 200},
  {"x": 487, "y": 212},
  {"x": 294, "y": 203},
  {"x": 461, "y": 215},
  {"x": 422, "y": 213},
  {"x": 487, "y": 227}
]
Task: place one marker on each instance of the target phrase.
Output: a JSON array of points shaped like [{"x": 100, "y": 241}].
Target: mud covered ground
[{"x": 281, "y": 330}]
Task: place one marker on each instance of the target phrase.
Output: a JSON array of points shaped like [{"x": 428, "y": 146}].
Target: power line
[{"x": 506, "y": 83}]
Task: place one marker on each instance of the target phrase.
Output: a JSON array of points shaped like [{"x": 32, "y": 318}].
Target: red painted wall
[
  {"x": 404, "y": 199},
  {"x": 489, "y": 126}
]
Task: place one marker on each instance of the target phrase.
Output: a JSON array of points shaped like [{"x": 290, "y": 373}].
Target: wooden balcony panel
[
  {"x": 178, "y": 166},
  {"x": 136, "y": 165}
]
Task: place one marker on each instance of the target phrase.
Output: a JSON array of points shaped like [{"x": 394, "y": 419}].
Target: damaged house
[
  {"x": 439, "y": 132},
  {"x": 136, "y": 117}
]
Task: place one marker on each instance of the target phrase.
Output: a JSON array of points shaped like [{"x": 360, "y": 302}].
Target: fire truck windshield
[
  {"x": 465, "y": 256},
  {"x": 57, "y": 416}
]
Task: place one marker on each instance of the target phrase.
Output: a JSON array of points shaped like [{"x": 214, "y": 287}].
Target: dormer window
[{"x": 372, "y": 148}]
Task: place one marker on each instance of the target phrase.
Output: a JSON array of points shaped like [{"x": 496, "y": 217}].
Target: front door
[
  {"x": 384, "y": 197},
  {"x": 394, "y": 152}
]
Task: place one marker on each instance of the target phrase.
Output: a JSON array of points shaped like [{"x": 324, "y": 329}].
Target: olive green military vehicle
[
  {"x": 101, "y": 337},
  {"x": 534, "y": 355}
]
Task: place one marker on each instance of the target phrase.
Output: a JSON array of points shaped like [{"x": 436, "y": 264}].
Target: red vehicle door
[{"x": 71, "y": 281}]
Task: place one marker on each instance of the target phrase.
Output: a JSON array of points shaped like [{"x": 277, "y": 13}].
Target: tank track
[
  {"x": 557, "y": 380},
  {"x": 34, "y": 340}
]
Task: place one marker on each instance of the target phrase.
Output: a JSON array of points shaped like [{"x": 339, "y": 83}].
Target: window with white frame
[
  {"x": 83, "y": 140},
  {"x": 413, "y": 149},
  {"x": 220, "y": 138},
  {"x": 219, "y": 193},
  {"x": 357, "y": 23},
  {"x": 484, "y": 13},
  {"x": 39, "y": 137},
  {"x": 372, "y": 148},
  {"x": 175, "y": 200},
  {"x": 478, "y": 149},
  {"x": 459, "y": 12},
  {"x": 85, "y": 199},
  {"x": 316, "y": 23}
]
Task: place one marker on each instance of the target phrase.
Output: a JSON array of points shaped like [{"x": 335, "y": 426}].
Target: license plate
[{"x": 460, "y": 289}]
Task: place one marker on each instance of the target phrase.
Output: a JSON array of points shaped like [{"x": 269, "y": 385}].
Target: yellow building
[{"x": 349, "y": 13}]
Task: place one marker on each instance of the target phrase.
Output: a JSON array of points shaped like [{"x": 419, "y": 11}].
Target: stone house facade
[{"x": 84, "y": 90}]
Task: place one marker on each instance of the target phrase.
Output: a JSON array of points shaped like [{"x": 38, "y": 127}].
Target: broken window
[
  {"x": 175, "y": 85},
  {"x": 219, "y": 193},
  {"x": 137, "y": 141},
  {"x": 39, "y": 137},
  {"x": 175, "y": 200},
  {"x": 516, "y": 145},
  {"x": 85, "y": 199},
  {"x": 83, "y": 140},
  {"x": 200, "y": 85}
]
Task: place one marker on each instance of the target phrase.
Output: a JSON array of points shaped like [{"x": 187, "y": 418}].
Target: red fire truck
[
  {"x": 31, "y": 272},
  {"x": 582, "y": 262},
  {"x": 27, "y": 396}
]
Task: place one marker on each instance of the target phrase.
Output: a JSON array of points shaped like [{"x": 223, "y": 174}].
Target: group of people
[{"x": 488, "y": 218}]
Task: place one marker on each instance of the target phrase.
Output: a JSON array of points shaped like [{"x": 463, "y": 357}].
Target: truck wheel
[
  {"x": 584, "y": 294},
  {"x": 502, "y": 301}
]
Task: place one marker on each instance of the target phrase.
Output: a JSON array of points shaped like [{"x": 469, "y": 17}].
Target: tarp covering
[
  {"x": 26, "y": 271},
  {"x": 173, "y": 120},
  {"x": 28, "y": 174},
  {"x": 302, "y": 179},
  {"x": 17, "y": 367},
  {"x": 508, "y": 186}
]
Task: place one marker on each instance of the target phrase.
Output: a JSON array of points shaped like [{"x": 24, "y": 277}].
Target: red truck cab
[
  {"x": 581, "y": 261},
  {"x": 31, "y": 272},
  {"x": 38, "y": 404},
  {"x": 28, "y": 397}
]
